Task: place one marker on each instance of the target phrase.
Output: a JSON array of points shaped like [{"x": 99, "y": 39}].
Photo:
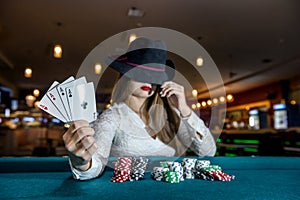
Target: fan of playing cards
[{"x": 73, "y": 99}]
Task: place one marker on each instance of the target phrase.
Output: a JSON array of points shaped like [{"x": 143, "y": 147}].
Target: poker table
[{"x": 50, "y": 178}]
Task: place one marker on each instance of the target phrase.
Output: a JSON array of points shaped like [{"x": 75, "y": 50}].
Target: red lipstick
[{"x": 146, "y": 88}]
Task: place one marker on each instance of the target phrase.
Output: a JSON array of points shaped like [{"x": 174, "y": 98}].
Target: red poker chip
[{"x": 121, "y": 170}]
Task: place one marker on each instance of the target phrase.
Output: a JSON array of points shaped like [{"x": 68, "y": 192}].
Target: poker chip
[
  {"x": 158, "y": 173},
  {"x": 164, "y": 164},
  {"x": 188, "y": 165},
  {"x": 216, "y": 172},
  {"x": 138, "y": 168},
  {"x": 171, "y": 177},
  {"x": 211, "y": 168},
  {"x": 204, "y": 176},
  {"x": 122, "y": 169},
  {"x": 201, "y": 163},
  {"x": 221, "y": 176},
  {"x": 177, "y": 167}
]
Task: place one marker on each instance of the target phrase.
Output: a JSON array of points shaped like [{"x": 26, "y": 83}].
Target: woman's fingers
[
  {"x": 170, "y": 88},
  {"x": 73, "y": 128},
  {"x": 79, "y": 140},
  {"x": 78, "y": 136},
  {"x": 85, "y": 149}
]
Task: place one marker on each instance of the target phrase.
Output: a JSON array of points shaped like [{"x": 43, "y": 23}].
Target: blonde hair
[
  {"x": 120, "y": 91},
  {"x": 158, "y": 112},
  {"x": 167, "y": 115}
]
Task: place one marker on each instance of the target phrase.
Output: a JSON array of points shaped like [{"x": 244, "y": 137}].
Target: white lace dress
[{"x": 120, "y": 132}]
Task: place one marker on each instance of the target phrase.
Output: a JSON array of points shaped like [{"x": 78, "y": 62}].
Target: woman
[{"x": 149, "y": 116}]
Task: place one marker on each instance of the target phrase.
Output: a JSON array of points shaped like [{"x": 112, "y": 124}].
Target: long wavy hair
[{"x": 161, "y": 118}]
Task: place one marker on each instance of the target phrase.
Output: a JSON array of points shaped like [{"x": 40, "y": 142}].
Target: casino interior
[{"x": 254, "y": 44}]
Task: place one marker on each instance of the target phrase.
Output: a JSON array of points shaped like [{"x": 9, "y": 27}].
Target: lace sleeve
[
  {"x": 194, "y": 134},
  {"x": 104, "y": 127}
]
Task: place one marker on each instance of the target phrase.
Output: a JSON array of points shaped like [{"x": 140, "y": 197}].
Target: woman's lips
[{"x": 146, "y": 88}]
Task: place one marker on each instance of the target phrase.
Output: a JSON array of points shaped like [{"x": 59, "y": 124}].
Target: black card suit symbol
[
  {"x": 84, "y": 104},
  {"x": 70, "y": 93},
  {"x": 62, "y": 91},
  {"x": 52, "y": 96},
  {"x": 95, "y": 115}
]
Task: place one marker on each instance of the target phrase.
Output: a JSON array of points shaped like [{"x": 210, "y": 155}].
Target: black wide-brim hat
[{"x": 145, "y": 61}]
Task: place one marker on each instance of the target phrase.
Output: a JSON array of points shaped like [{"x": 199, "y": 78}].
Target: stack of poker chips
[
  {"x": 138, "y": 168},
  {"x": 199, "y": 173},
  {"x": 177, "y": 167},
  {"x": 190, "y": 168},
  {"x": 122, "y": 170},
  {"x": 159, "y": 173},
  {"x": 188, "y": 165},
  {"x": 171, "y": 177},
  {"x": 213, "y": 172},
  {"x": 128, "y": 168},
  {"x": 171, "y": 172}
]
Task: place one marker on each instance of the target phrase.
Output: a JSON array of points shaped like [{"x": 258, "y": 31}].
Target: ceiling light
[
  {"x": 199, "y": 62},
  {"x": 215, "y": 101},
  {"x": 229, "y": 98},
  {"x": 193, "y": 106},
  {"x": 28, "y": 72},
  {"x": 293, "y": 102},
  {"x": 209, "y": 102},
  {"x": 36, "y": 104},
  {"x": 36, "y": 92},
  {"x": 198, "y": 105},
  {"x": 203, "y": 103},
  {"x": 57, "y": 51},
  {"x": 222, "y": 99},
  {"x": 134, "y": 12},
  {"x": 132, "y": 37},
  {"x": 30, "y": 100},
  {"x": 98, "y": 68},
  {"x": 195, "y": 93}
]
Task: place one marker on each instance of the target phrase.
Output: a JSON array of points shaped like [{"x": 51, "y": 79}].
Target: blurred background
[{"x": 254, "y": 43}]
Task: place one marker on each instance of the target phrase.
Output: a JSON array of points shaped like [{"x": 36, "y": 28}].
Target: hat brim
[{"x": 144, "y": 73}]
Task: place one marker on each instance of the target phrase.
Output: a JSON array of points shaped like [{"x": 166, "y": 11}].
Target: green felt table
[{"x": 50, "y": 178}]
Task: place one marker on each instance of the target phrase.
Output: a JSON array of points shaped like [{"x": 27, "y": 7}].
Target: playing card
[
  {"x": 84, "y": 103},
  {"x": 69, "y": 89},
  {"x": 55, "y": 98},
  {"x": 60, "y": 90},
  {"x": 46, "y": 105}
]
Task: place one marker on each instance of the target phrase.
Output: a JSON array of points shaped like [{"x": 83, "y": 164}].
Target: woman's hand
[
  {"x": 80, "y": 144},
  {"x": 170, "y": 90}
]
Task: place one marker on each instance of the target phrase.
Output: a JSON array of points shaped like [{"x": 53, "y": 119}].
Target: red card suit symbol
[{"x": 44, "y": 107}]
